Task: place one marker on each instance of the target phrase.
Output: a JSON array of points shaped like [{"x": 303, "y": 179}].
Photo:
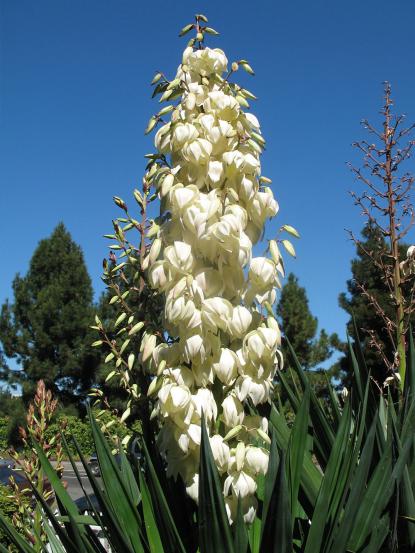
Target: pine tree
[
  {"x": 300, "y": 326},
  {"x": 366, "y": 286},
  {"x": 46, "y": 328}
]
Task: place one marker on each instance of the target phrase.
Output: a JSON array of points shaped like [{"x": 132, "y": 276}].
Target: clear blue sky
[{"x": 75, "y": 98}]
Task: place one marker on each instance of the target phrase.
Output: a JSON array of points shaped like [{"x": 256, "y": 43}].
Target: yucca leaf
[
  {"x": 78, "y": 476},
  {"x": 406, "y": 497},
  {"x": 66, "y": 505},
  {"x": 153, "y": 535},
  {"x": 295, "y": 452},
  {"x": 350, "y": 460},
  {"x": 81, "y": 538},
  {"x": 378, "y": 536},
  {"x": 117, "y": 490},
  {"x": 129, "y": 479},
  {"x": 324, "y": 435},
  {"x": 75, "y": 536},
  {"x": 79, "y": 519},
  {"x": 276, "y": 533},
  {"x": 60, "y": 530},
  {"x": 177, "y": 499},
  {"x": 409, "y": 386},
  {"x": 290, "y": 393},
  {"x": 88, "y": 520},
  {"x": 254, "y": 535},
  {"x": 378, "y": 493},
  {"x": 214, "y": 531},
  {"x": 334, "y": 401},
  {"x": 271, "y": 475},
  {"x": 357, "y": 489},
  {"x": 328, "y": 488},
  {"x": 240, "y": 533},
  {"x": 54, "y": 543},
  {"x": 356, "y": 370},
  {"x": 165, "y": 523},
  {"x": 108, "y": 520},
  {"x": 311, "y": 477}
]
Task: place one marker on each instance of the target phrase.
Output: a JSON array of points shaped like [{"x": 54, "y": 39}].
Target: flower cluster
[{"x": 222, "y": 343}]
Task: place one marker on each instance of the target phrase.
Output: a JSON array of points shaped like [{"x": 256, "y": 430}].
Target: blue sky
[{"x": 75, "y": 98}]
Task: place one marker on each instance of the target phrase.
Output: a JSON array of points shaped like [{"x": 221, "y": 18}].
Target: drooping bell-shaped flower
[{"x": 220, "y": 350}]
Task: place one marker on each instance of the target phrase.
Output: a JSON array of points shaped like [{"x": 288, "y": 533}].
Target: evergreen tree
[
  {"x": 366, "y": 286},
  {"x": 46, "y": 328},
  {"x": 300, "y": 327}
]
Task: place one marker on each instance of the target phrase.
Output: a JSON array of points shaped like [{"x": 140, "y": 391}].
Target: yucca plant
[
  {"x": 375, "y": 470},
  {"x": 197, "y": 351},
  {"x": 337, "y": 482}
]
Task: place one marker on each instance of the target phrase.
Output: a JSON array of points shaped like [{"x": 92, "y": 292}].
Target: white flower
[
  {"x": 204, "y": 401},
  {"x": 179, "y": 255},
  {"x": 193, "y": 488},
  {"x": 216, "y": 312},
  {"x": 258, "y": 391},
  {"x": 215, "y": 172},
  {"x": 240, "y": 483},
  {"x": 226, "y": 368},
  {"x": 173, "y": 398},
  {"x": 198, "y": 151},
  {"x": 183, "y": 196},
  {"x": 179, "y": 310},
  {"x": 249, "y": 506},
  {"x": 209, "y": 280},
  {"x": 223, "y": 105},
  {"x": 182, "y": 376},
  {"x": 182, "y": 133},
  {"x": 262, "y": 273},
  {"x": 240, "y": 321},
  {"x": 206, "y": 61},
  {"x": 194, "y": 349},
  {"x": 157, "y": 275},
  {"x": 220, "y": 451},
  {"x": 233, "y": 411},
  {"x": 410, "y": 254},
  {"x": 253, "y": 121},
  {"x": 261, "y": 344},
  {"x": 256, "y": 459},
  {"x": 162, "y": 139}
]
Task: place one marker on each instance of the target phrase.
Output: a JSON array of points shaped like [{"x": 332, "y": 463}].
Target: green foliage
[
  {"x": 45, "y": 329},
  {"x": 300, "y": 326},
  {"x": 7, "y": 508},
  {"x": 4, "y": 425},
  {"x": 75, "y": 426},
  {"x": 357, "y": 304},
  {"x": 12, "y": 411},
  {"x": 80, "y": 430},
  {"x": 331, "y": 484}
]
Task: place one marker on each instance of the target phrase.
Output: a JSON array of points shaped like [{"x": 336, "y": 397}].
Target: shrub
[
  {"x": 75, "y": 427},
  {"x": 7, "y": 509},
  {"x": 81, "y": 430},
  {"x": 4, "y": 424}
]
